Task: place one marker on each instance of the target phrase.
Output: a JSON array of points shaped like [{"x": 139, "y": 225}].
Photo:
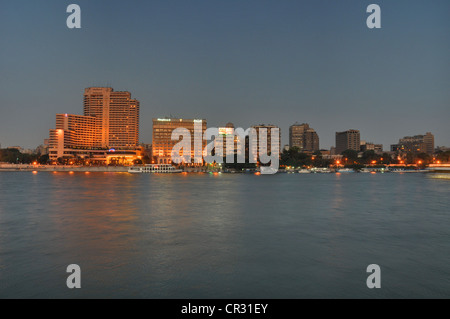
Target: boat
[
  {"x": 374, "y": 170},
  {"x": 154, "y": 168},
  {"x": 345, "y": 170},
  {"x": 320, "y": 170},
  {"x": 304, "y": 171},
  {"x": 402, "y": 170}
]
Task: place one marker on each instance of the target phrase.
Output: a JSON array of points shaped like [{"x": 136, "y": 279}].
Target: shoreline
[
  {"x": 124, "y": 169},
  {"x": 60, "y": 168}
]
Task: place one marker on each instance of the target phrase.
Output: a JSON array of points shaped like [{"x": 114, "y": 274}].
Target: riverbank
[
  {"x": 72, "y": 168},
  {"x": 60, "y": 168}
]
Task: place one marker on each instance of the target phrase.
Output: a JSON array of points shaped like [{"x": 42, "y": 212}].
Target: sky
[{"x": 241, "y": 61}]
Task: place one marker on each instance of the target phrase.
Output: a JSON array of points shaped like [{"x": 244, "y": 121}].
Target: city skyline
[
  {"x": 241, "y": 62},
  {"x": 93, "y": 96}
]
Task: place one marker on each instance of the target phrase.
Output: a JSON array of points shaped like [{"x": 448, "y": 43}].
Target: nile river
[{"x": 224, "y": 236}]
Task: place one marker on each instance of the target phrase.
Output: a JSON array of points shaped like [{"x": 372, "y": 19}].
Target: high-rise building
[
  {"x": 118, "y": 116},
  {"x": 348, "y": 140},
  {"x": 257, "y": 146},
  {"x": 110, "y": 124},
  {"x": 162, "y": 143},
  {"x": 73, "y": 132},
  {"x": 428, "y": 139},
  {"x": 415, "y": 144},
  {"x": 303, "y": 137}
]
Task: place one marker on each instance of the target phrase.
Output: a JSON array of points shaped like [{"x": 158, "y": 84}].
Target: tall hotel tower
[
  {"x": 110, "y": 122},
  {"x": 118, "y": 116}
]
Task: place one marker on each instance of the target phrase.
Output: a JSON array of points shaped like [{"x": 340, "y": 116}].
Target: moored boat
[
  {"x": 154, "y": 168},
  {"x": 345, "y": 170}
]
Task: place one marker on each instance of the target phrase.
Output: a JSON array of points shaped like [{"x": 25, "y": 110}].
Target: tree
[
  {"x": 11, "y": 155},
  {"x": 146, "y": 160},
  {"x": 369, "y": 156},
  {"x": 386, "y": 158},
  {"x": 44, "y": 159},
  {"x": 294, "y": 157},
  {"x": 352, "y": 155},
  {"x": 424, "y": 158},
  {"x": 443, "y": 157}
]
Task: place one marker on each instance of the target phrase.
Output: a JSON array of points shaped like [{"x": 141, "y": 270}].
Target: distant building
[
  {"x": 377, "y": 148},
  {"x": 428, "y": 139},
  {"x": 265, "y": 148},
  {"x": 19, "y": 148},
  {"x": 415, "y": 144},
  {"x": 162, "y": 143},
  {"x": 42, "y": 149},
  {"x": 332, "y": 150},
  {"x": 303, "y": 137},
  {"x": 348, "y": 140},
  {"x": 442, "y": 149}
]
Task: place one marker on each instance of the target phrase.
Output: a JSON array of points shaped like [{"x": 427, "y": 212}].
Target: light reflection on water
[
  {"x": 224, "y": 236},
  {"x": 439, "y": 175}
]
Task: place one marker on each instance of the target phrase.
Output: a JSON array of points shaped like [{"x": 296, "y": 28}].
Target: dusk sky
[{"x": 241, "y": 61}]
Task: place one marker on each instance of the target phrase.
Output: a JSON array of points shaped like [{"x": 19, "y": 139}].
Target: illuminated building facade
[
  {"x": 73, "y": 132},
  {"x": 162, "y": 143},
  {"x": 108, "y": 129},
  {"x": 118, "y": 116}
]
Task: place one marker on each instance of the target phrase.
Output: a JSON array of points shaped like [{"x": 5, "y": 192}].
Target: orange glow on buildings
[
  {"x": 117, "y": 114},
  {"x": 110, "y": 121},
  {"x": 162, "y": 143}
]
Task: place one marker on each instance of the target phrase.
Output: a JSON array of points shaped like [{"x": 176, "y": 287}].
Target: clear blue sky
[{"x": 240, "y": 61}]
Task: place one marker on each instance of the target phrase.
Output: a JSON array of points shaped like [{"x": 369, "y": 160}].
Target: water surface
[{"x": 224, "y": 236}]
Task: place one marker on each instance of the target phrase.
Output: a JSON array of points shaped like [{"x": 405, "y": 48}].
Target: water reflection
[
  {"x": 444, "y": 176},
  {"x": 229, "y": 235}
]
